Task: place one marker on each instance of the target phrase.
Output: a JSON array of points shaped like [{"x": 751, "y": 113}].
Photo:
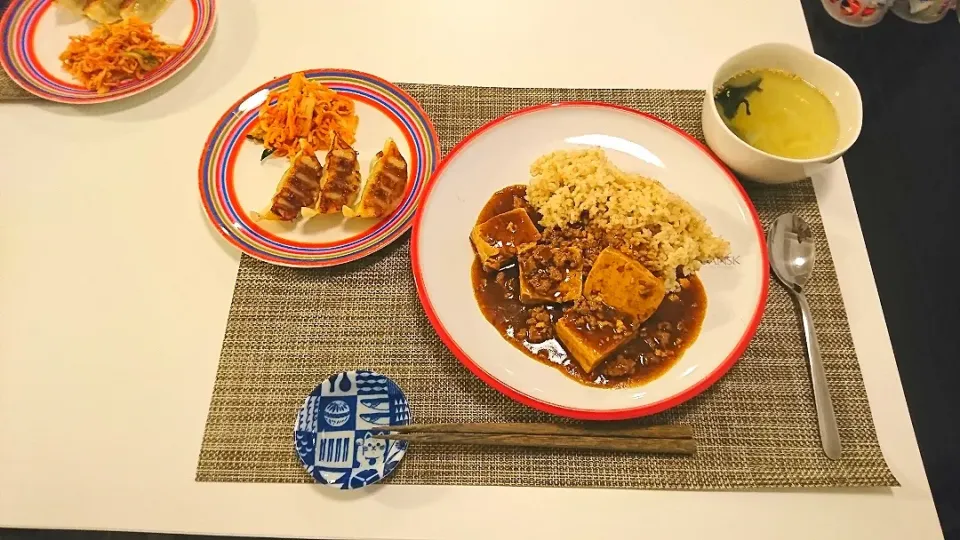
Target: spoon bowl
[{"x": 792, "y": 251}]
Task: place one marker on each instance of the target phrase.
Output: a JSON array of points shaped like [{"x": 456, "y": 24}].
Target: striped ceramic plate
[
  {"x": 35, "y": 32},
  {"x": 235, "y": 182}
]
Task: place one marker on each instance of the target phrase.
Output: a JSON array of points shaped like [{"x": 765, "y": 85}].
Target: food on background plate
[
  {"x": 385, "y": 186},
  {"x": 112, "y": 11},
  {"x": 104, "y": 11},
  {"x": 306, "y": 112},
  {"x": 605, "y": 287},
  {"x": 299, "y": 188},
  {"x": 145, "y": 10},
  {"x": 76, "y": 6},
  {"x": 101, "y": 11},
  {"x": 114, "y": 54},
  {"x": 779, "y": 113}
]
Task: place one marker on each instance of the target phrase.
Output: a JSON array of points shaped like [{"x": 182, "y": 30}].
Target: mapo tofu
[
  {"x": 592, "y": 330},
  {"x": 502, "y": 237},
  {"x": 619, "y": 294},
  {"x": 580, "y": 292},
  {"x": 549, "y": 274},
  {"x": 625, "y": 285}
]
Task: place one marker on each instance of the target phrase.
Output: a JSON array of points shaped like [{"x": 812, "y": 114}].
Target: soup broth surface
[{"x": 779, "y": 113}]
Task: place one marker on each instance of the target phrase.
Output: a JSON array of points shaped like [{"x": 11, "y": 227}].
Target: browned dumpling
[
  {"x": 341, "y": 178},
  {"x": 145, "y": 10},
  {"x": 385, "y": 186},
  {"x": 75, "y": 6},
  {"x": 299, "y": 188},
  {"x": 104, "y": 11}
]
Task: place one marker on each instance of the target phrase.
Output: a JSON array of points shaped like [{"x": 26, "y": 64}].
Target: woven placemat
[
  {"x": 288, "y": 329},
  {"x": 9, "y": 90}
]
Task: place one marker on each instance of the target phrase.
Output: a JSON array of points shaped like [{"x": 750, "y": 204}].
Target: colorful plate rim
[
  {"x": 19, "y": 59},
  {"x": 583, "y": 414},
  {"x": 229, "y": 132}
]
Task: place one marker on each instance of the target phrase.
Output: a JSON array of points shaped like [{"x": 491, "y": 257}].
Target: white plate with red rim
[
  {"x": 36, "y": 32},
  {"x": 499, "y": 154}
]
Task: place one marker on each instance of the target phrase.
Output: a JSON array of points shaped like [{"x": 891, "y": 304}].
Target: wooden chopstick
[
  {"x": 620, "y": 444},
  {"x": 679, "y": 431}
]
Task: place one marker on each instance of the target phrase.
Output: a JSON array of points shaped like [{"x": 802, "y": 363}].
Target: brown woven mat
[
  {"x": 9, "y": 90},
  {"x": 288, "y": 329}
]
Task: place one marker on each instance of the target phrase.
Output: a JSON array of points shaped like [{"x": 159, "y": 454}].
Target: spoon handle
[{"x": 829, "y": 435}]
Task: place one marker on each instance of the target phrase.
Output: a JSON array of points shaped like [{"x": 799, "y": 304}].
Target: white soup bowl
[{"x": 762, "y": 166}]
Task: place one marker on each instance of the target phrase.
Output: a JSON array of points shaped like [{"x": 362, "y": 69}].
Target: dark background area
[{"x": 904, "y": 172}]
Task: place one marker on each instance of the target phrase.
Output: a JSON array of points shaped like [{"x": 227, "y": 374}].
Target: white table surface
[{"x": 114, "y": 291}]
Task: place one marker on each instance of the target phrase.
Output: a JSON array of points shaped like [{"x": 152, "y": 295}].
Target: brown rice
[{"x": 583, "y": 187}]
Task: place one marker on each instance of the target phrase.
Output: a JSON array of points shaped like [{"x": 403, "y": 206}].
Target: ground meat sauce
[
  {"x": 659, "y": 342},
  {"x": 591, "y": 241},
  {"x": 602, "y": 323},
  {"x": 544, "y": 269}
]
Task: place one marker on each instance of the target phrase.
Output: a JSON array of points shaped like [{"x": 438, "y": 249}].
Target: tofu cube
[
  {"x": 502, "y": 237},
  {"x": 549, "y": 274},
  {"x": 591, "y": 331},
  {"x": 625, "y": 285}
]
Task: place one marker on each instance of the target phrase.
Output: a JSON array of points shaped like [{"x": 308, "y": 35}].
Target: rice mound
[{"x": 583, "y": 187}]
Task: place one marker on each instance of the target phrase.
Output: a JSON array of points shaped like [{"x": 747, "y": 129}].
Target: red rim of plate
[
  {"x": 582, "y": 414},
  {"x": 18, "y": 57},
  {"x": 232, "y": 221}
]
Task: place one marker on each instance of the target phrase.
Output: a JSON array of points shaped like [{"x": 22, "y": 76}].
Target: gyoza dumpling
[
  {"x": 145, "y": 10},
  {"x": 104, "y": 11},
  {"x": 341, "y": 178},
  {"x": 75, "y": 6},
  {"x": 299, "y": 188},
  {"x": 385, "y": 186}
]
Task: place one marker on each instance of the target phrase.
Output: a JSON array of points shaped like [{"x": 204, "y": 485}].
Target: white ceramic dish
[
  {"x": 821, "y": 73},
  {"x": 499, "y": 154}
]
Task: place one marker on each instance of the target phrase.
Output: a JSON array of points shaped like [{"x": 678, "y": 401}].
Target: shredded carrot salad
[
  {"x": 305, "y": 115},
  {"x": 115, "y": 53}
]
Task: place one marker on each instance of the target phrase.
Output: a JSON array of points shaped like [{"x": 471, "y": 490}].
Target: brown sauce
[
  {"x": 505, "y": 200},
  {"x": 660, "y": 341}
]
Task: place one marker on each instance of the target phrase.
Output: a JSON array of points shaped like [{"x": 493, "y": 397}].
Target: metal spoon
[{"x": 792, "y": 252}]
